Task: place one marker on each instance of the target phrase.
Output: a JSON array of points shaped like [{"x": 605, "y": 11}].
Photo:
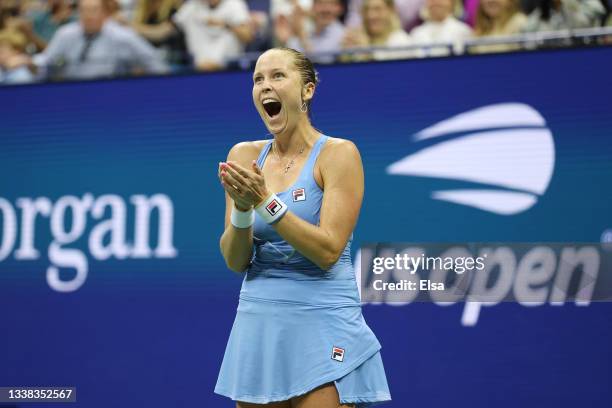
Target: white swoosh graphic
[
  {"x": 500, "y": 202},
  {"x": 520, "y": 159},
  {"x": 491, "y": 116}
]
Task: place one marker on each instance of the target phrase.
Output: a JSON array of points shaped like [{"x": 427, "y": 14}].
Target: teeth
[{"x": 268, "y": 100}]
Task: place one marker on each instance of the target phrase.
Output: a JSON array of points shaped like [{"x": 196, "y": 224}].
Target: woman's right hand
[
  {"x": 240, "y": 203},
  {"x": 248, "y": 186}
]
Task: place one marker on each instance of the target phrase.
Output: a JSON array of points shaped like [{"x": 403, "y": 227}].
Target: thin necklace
[{"x": 292, "y": 161}]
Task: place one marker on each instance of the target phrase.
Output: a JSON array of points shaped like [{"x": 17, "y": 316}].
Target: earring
[{"x": 304, "y": 107}]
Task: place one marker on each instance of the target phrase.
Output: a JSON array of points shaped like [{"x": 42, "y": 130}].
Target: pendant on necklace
[{"x": 288, "y": 166}]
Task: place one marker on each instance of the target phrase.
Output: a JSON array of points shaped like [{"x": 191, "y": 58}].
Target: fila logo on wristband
[
  {"x": 274, "y": 207},
  {"x": 299, "y": 195}
]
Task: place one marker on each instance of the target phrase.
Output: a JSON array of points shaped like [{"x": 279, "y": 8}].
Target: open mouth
[{"x": 272, "y": 107}]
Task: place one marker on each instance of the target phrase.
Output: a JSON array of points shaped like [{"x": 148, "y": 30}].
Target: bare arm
[
  {"x": 243, "y": 32},
  {"x": 237, "y": 243},
  {"x": 342, "y": 173},
  {"x": 26, "y": 27},
  {"x": 155, "y": 32},
  {"x": 342, "y": 176},
  {"x": 143, "y": 55}
]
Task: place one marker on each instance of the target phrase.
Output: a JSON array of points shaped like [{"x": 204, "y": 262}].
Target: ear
[{"x": 308, "y": 91}]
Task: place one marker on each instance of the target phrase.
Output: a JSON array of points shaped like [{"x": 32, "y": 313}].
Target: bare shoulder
[
  {"x": 337, "y": 150},
  {"x": 339, "y": 159},
  {"x": 246, "y": 152}
]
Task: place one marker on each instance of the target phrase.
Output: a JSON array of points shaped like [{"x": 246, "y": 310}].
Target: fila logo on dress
[
  {"x": 299, "y": 195},
  {"x": 337, "y": 354}
]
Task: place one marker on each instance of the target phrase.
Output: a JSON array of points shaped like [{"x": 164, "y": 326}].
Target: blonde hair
[
  {"x": 304, "y": 66},
  {"x": 143, "y": 9},
  {"x": 395, "y": 22},
  {"x": 485, "y": 24},
  {"x": 14, "y": 39}
]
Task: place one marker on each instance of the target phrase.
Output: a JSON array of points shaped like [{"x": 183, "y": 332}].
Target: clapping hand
[{"x": 246, "y": 187}]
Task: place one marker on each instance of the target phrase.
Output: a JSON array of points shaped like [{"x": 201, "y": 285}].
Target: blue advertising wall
[{"x": 133, "y": 307}]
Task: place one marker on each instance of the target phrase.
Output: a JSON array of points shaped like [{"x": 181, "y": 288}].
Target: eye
[
  {"x": 279, "y": 75},
  {"x": 257, "y": 79}
]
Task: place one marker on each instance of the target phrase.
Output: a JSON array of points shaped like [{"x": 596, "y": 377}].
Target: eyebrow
[{"x": 273, "y": 70}]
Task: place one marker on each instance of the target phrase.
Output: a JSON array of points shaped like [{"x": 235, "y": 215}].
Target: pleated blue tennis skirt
[{"x": 278, "y": 350}]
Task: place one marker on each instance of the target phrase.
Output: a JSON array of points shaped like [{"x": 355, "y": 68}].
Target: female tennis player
[{"x": 299, "y": 339}]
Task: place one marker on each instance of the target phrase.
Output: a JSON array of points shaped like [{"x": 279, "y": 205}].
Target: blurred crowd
[{"x": 80, "y": 39}]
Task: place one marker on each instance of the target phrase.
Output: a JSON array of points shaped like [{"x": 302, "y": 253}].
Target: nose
[{"x": 265, "y": 86}]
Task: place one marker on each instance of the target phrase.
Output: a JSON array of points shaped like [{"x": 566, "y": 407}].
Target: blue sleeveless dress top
[{"x": 297, "y": 326}]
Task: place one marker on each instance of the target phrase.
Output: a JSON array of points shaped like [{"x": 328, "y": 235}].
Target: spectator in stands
[
  {"x": 45, "y": 22},
  {"x": 286, "y": 7},
  {"x": 97, "y": 46},
  {"x": 381, "y": 28},
  {"x": 284, "y": 13},
  {"x": 20, "y": 28},
  {"x": 441, "y": 27},
  {"x": 9, "y": 11},
  {"x": 407, "y": 10},
  {"x": 261, "y": 29},
  {"x": 216, "y": 31},
  {"x": 13, "y": 62},
  {"x": 550, "y": 15},
  {"x": 320, "y": 34},
  {"x": 153, "y": 20},
  {"x": 498, "y": 18}
]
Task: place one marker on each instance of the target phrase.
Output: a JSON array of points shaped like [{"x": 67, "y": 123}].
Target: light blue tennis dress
[{"x": 297, "y": 326}]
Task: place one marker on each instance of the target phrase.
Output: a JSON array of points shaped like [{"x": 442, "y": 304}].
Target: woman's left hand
[{"x": 250, "y": 185}]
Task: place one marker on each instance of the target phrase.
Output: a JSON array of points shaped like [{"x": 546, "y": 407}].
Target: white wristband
[
  {"x": 272, "y": 209},
  {"x": 242, "y": 219}
]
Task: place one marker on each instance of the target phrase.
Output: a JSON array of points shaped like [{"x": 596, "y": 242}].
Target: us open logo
[
  {"x": 274, "y": 207},
  {"x": 299, "y": 195},
  {"x": 337, "y": 354},
  {"x": 502, "y": 154}
]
